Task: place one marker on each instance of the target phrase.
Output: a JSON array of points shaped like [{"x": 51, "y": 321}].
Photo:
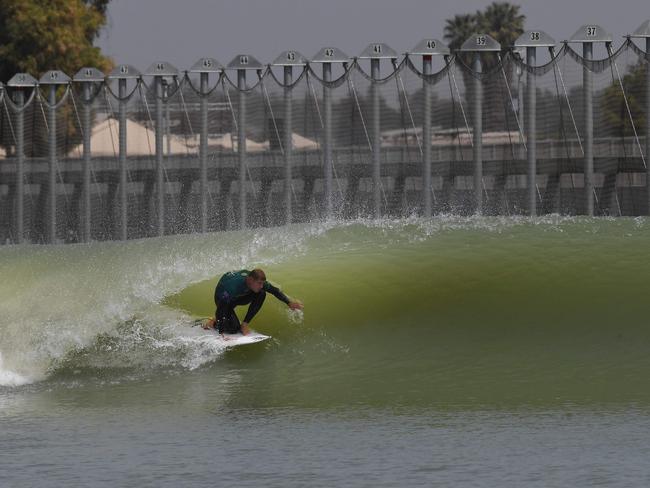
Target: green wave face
[
  {"x": 457, "y": 311},
  {"x": 447, "y": 311}
]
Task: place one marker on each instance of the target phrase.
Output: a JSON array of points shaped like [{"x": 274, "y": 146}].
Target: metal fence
[{"x": 531, "y": 129}]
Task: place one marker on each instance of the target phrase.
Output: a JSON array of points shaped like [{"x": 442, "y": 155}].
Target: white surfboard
[
  {"x": 228, "y": 339},
  {"x": 240, "y": 339}
]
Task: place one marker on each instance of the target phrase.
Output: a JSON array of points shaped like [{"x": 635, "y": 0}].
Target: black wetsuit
[{"x": 232, "y": 291}]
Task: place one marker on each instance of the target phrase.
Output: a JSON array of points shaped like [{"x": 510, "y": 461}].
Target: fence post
[
  {"x": 288, "y": 143},
  {"x": 478, "y": 135},
  {"x": 531, "y": 127},
  {"x": 204, "y": 67},
  {"x": 327, "y": 146},
  {"x": 531, "y": 40},
  {"x": 241, "y": 147},
  {"x": 20, "y": 170},
  {"x": 478, "y": 44},
  {"x": 327, "y": 56},
  {"x": 288, "y": 60},
  {"x": 376, "y": 52},
  {"x": 122, "y": 148},
  {"x": 20, "y": 82},
  {"x": 241, "y": 63},
  {"x": 643, "y": 32},
  {"x": 87, "y": 77},
  {"x": 160, "y": 71},
  {"x": 52, "y": 79},
  {"x": 587, "y": 35},
  {"x": 203, "y": 153},
  {"x": 122, "y": 73},
  {"x": 587, "y": 82},
  {"x": 427, "y": 48}
]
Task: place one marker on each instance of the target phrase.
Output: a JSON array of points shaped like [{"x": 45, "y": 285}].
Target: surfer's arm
[
  {"x": 276, "y": 292},
  {"x": 252, "y": 311}
]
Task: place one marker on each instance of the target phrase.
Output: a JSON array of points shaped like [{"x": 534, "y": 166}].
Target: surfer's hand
[
  {"x": 244, "y": 328},
  {"x": 296, "y": 306}
]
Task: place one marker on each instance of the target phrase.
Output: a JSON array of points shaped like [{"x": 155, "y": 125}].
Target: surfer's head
[{"x": 255, "y": 280}]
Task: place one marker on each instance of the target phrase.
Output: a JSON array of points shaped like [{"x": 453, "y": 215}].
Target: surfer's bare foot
[
  {"x": 209, "y": 324},
  {"x": 244, "y": 329}
]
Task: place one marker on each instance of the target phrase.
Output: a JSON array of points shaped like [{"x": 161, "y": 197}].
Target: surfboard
[
  {"x": 231, "y": 339},
  {"x": 239, "y": 339}
]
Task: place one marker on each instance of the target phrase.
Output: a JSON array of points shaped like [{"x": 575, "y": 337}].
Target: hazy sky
[{"x": 140, "y": 32}]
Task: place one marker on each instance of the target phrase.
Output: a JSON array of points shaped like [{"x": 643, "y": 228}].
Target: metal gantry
[{"x": 166, "y": 80}]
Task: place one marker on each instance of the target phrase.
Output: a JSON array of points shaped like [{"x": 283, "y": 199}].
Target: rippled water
[{"x": 464, "y": 351}]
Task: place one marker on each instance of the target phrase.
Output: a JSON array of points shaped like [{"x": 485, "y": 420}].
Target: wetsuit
[{"x": 231, "y": 291}]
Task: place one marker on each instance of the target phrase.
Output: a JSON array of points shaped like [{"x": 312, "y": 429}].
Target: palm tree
[
  {"x": 505, "y": 24},
  {"x": 457, "y": 31}
]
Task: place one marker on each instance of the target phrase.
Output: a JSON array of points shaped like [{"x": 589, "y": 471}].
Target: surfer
[{"x": 241, "y": 288}]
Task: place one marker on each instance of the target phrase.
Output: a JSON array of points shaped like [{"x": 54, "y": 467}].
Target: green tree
[
  {"x": 613, "y": 104},
  {"x": 36, "y": 36},
  {"x": 458, "y": 29},
  {"x": 503, "y": 22}
]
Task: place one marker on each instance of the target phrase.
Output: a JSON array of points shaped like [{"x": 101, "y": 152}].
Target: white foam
[{"x": 9, "y": 378}]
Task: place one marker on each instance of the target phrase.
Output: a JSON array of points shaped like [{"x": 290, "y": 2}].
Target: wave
[{"x": 124, "y": 308}]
